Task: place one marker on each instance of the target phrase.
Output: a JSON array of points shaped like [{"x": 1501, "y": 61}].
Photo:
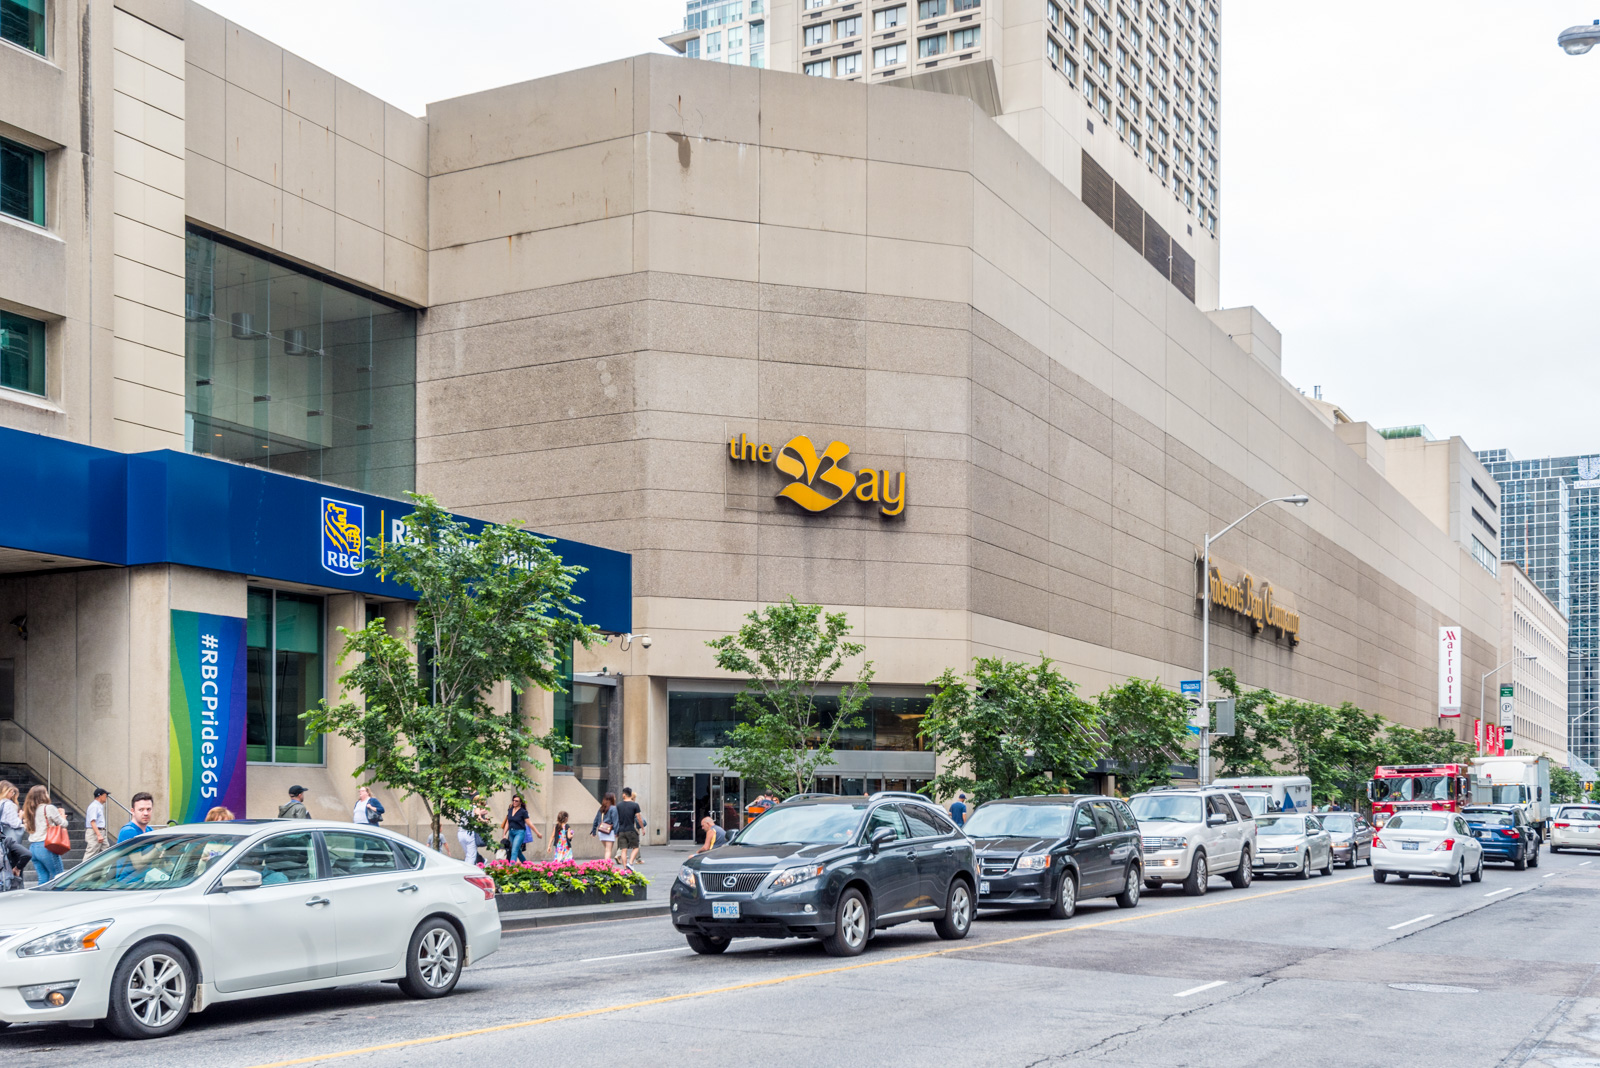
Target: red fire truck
[{"x": 1418, "y": 788}]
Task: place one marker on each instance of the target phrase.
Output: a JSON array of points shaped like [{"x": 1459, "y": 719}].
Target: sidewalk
[{"x": 659, "y": 864}]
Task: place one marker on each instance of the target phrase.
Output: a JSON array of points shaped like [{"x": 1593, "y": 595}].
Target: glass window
[
  {"x": 849, "y": 65},
  {"x": 1220, "y": 806},
  {"x": 1105, "y": 818},
  {"x": 1241, "y": 806},
  {"x": 930, "y": 46},
  {"x": 702, "y": 721},
  {"x": 961, "y": 40},
  {"x": 22, "y": 182},
  {"x": 886, "y": 816},
  {"x": 355, "y": 853},
  {"x": 1126, "y": 814},
  {"x": 283, "y": 676},
  {"x": 22, "y": 23},
  {"x": 713, "y": 42},
  {"x": 286, "y": 858},
  {"x": 889, "y": 55},
  {"x": 22, "y": 353},
  {"x": 822, "y": 68},
  {"x": 758, "y": 57},
  {"x": 1083, "y": 820},
  {"x": 1000, "y": 820},
  {"x": 297, "y": 374},
  {"x": 930, "y": 9},
  {"x": 808, "y": 824},
  {"x": 850, "y": 27},
  {"x": 148, "y": 862},
  {"x": 921, "y": 821},
  {"x": 590, "y": 732},
  {"x": 409, "y": 858},
  {"x": 817, "y": 35},
  {"x": 691, "y": 48},
  {"x": 963, "y": 5},
  {"x": 889, "y": 18}
]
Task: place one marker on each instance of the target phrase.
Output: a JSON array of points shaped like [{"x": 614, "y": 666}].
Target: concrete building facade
[
  {"x": 769, "y": 335},
  {"x": 1532, "y": 625}
]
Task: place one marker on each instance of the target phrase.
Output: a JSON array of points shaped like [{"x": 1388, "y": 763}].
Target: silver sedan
[{"x": 1292, "y": 845}]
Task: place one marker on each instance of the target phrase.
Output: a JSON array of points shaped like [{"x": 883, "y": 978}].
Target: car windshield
[
  {"x": 1020, "y": 821},
  {"x": 803, "y": 825},
  {"x": 1339, "y": 822},
  {"x": 149, "y": 862},
  {"x": 1570, "y": 813},
  {"x": 1257, "y": 803},
  {"x": 1167, "y": 808},
  {"x": 1410, "y": 821},
  {"x": 1281, "y": 825},
  {"x": 1412, "y": 788},
  {"x": 1490, "y": 819}
]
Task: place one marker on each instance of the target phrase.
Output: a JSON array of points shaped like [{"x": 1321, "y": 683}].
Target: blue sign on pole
[{"x": 1190, "y": 688}]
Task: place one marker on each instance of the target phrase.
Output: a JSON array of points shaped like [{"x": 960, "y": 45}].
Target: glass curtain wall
[
  {"x": 292, "y": 372},
  {"x": 283, "y": 676}
]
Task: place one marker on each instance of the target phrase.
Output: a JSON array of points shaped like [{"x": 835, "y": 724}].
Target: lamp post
[
  {"x": 1576, "y": 40},
  {"x": 1483, "y": 683},
  {"x": 1299, "y": 501}
]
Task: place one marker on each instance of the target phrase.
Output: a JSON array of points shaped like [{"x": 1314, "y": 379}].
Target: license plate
[
  {"x": 1409, "y": 845},
  {"x": 983, "y": 888},
  {"x": 724, "y": 910}
]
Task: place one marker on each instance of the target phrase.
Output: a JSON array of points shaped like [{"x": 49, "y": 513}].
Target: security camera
[{"x": 644, "y": 640}]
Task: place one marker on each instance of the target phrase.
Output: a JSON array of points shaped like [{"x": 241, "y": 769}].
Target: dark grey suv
[
  {"x": 1054, "y": 850},
  {"x": 834, "y": 869}
]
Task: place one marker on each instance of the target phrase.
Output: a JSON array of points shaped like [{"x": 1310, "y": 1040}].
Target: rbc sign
[{"x": 343, "y": 549}]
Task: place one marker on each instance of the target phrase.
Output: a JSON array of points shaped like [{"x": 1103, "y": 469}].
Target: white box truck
[
  {"x": 1272, "y": 793},
  {"x": 1515, "y": 780}
]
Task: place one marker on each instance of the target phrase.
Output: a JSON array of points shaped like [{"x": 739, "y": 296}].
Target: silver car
[
  {"x": 1292, "y": 845},
  {"x": 1575, "y": 827}
]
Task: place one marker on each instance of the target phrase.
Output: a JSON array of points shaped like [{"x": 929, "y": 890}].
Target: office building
[
  {"x": 1531, "y": 626},
  {"x": 1134, "y": 85}
]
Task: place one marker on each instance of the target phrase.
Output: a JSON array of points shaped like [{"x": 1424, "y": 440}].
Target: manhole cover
[{"x": 1431, "y": 988}]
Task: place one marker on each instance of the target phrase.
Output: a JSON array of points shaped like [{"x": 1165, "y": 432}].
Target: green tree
[
  {"x": 1146, "y": 730},
  {"x": 1430, "y": 745},
  {"x": 1564, "y": 785},
  {"x": 1008, "y": 729},
  {"x": 787, "y": 652},
  {"x": 493, "y": 606},
  {"x": 1338, "y": 748},
  {"x": 1259, "y": 730}
]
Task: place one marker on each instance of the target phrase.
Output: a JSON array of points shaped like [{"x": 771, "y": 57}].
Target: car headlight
[
  {"x": 1036, "y": 862},
  {"x": 77, "y": 939},
  {"x": 794, "y": 876},
  {"x": 686, "y": 876}
]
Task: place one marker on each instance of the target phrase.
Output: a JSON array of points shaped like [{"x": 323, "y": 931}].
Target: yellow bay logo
[{"x": 820, "y": 479}]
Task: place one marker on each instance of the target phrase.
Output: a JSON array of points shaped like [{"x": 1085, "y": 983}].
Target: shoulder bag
[{"x": 56, "y": 838}]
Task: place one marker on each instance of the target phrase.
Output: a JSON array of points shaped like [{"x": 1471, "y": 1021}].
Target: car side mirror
[
  {"x": 880, "y": 838},
  {"x": 240, "y": 879},
  {"x": 1216, "y": 819},
  {"x": 1086, "y": 833}
]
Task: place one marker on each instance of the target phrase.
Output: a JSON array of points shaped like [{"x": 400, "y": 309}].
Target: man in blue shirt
[
  {"x": 144, "y": 806},
  {"x": 958, "y": 810}
]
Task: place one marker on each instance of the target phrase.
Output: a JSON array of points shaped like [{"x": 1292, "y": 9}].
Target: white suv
[{"x": 1193, "y": 833}]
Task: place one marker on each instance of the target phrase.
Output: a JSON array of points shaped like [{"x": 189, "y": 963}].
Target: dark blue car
[{"x": 1505, "y": 834}]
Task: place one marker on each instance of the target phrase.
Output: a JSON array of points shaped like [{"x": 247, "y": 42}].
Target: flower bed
[{"x": 528, "y": 884}]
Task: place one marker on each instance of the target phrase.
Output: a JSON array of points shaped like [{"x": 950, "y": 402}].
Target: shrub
[{"x": 554, "y": 876}]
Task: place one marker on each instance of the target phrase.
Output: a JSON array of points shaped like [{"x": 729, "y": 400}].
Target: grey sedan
[
  {"x": 1352, "y": 837},
  {"x": 1292, "y": 845}
]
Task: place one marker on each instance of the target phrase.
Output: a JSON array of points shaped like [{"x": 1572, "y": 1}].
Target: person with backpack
[
  {"x": 295, "y": 807},
  {"x": 14, "y": 852},
  {"x": 47, "y": 833}
]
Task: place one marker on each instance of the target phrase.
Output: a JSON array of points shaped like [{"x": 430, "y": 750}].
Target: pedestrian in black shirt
[
  {"x": 517, "y": 825},
  {"x": 630, "y": 821}
]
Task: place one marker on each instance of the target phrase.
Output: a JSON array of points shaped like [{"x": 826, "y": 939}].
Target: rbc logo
[{"x": 342, "y": 546}]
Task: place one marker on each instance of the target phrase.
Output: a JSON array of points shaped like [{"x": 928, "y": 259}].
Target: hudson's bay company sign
[{"x": 1260, "y": 602}]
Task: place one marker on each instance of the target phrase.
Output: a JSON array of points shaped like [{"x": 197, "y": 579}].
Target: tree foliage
[
  {"x": 1565, "y": 785},
  {"x": 1146, "y": 729},
  {"x": 1257, "y": 729},
  {"x": 1009, "y": 729},
  {"x": 787, "y": 652},
  {"x": 493, "y": 606}
]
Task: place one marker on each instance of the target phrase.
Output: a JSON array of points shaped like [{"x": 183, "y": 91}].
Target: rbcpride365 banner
[{"x": 205, "y": 763}]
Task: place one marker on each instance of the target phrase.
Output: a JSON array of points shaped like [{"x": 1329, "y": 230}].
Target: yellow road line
[{"x": 779, "y": 980}]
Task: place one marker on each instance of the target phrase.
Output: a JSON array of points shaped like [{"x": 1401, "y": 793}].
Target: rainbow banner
[{"x": 205, "y": 759}]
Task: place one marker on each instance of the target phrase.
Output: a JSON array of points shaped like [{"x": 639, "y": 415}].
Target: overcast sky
[{"x": 1410, "y": 188}]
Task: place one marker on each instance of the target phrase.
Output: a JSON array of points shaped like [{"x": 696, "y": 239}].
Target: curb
[{"x": 528, "y": 919}]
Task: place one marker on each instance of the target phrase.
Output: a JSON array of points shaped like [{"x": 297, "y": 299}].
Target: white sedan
[
  {"x": 1575, "y": 827},
  {"x": 178, "y": 919},
  {"x": 1427, "y": 843}
]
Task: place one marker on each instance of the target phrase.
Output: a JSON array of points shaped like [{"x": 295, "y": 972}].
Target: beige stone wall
[
  {"x": 285, "y": 156},
  {"x": 720, "y": 250},
  {"x": 1531, "y": 624}
]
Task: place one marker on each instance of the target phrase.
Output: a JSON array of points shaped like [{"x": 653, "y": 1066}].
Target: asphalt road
[{"x": 1334, "y": 971}]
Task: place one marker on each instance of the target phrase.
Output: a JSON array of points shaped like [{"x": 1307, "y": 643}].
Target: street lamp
[
  {"x": 1576, "y": 40},
  {"x": 1299, "y": 501},
  {"x": 1483, "y": 683}
]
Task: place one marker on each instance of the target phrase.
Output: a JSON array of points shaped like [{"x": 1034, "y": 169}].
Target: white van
[{"x": 1272, "y": 793}]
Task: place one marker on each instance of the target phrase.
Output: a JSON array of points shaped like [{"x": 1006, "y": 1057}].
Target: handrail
[{"x": 51, "y": 758}]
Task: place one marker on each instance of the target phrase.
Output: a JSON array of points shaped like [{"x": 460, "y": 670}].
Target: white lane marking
[
  {"x": 1552, "y": 875},
  {"x": 1585, "y": 863},
  {"x": 1502, "y": 890},
  {"x": 625, "y": 956},
  {"x": 1433, "y": 988},
  {"x": 1200, "y": 989},
  {"x": 1408, "y": 923}
]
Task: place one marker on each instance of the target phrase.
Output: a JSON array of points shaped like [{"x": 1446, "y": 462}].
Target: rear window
[
  {"x": 1491, "y": 819},
  {"x": 1411, "y": 822},
  {"x": 1572, "y": 812}
]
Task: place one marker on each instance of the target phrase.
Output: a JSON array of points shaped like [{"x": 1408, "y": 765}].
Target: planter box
[{"x": 567, "y": 899}]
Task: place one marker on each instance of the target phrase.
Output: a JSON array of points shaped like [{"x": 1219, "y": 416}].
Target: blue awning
[{"x": 83, "y": 503}]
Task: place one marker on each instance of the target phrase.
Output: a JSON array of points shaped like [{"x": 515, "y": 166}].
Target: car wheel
[
  {"x": 151, "y": 992},
  {"x": 1459, "y": 876},
  {"x": 1130, "y": 889},
  {"x": 1521, "y": 863},
  {"x": 852, "y": 922},
  {"x": 708, "y": 945},
  {"x": 1477, "y": 873},
  {"x": 1327, "y": 869},
  {"x": 1240, "y": 877},
  {"x": 1199, "y": 876},
  {"x": 1555, "y": 849},
  {"x": 1379, "y": 876},
  {"x": 1305, "y": 867},
  {"x": 1369, "y": 858},
  {"x": 1066, "y": 899},
  {"x": 1533, "y": 861},
  {"x": 957, "y": 918},
  {"x": 433, "y": 960}
]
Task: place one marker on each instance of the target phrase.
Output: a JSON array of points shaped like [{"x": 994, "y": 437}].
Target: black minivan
[
  {"x": 1054, "y": 850},
  {"x": 830, "y": 868}
]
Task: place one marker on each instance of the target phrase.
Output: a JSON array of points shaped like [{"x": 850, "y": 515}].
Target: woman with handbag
[
  {"x": 14, "y": 851},
  {"x": 605, "y": 824},
  {"x": 47, "y": 833}
]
